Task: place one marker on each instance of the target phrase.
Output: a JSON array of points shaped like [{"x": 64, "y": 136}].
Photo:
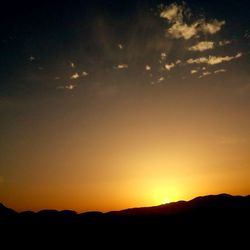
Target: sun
[
  {"x": 166, "y": 201},
  {"x": 160, "y": 196},
  {"x": 164, "y": 194}
]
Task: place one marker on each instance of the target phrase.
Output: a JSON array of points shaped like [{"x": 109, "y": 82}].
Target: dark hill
[
  {"x": 6, "y": 212},
  {"x": 222, "y": 203},
  {"x": 211, "y": 204},
  {"x": 223, "y": 218}
]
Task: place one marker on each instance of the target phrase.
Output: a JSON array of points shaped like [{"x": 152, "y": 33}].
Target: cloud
[
  {"x": 202, "y": 46},
  {"x": 238, "y": 55},
  {"x": 220, "y": 71},
  {"x": 32, "y": 58},
  {"x": 173, "y": 12},
  {"x": 177, "y": 14},
  {"x": 225, "y": 42},
  {"x": 67, "y": 87},
  {"x": 84, "y": 73},
  {"x": 197, "y": 60},
  {"x": 72, "y": 65},
  {"x": 75, "y": 76},
  {"x": 161, "y": 79},
  {"x": 206, "y": 73},
  {"x": 182, "y": 30},
  {"x": 70, "y": 86},
  {"x": 121, "y": 66},
  {"x": 147, "y": 67},
  {"x": 193, "y": 71},
  {"x": 207, "y": 45},
  {"x": 163, "y": 56},
  {"x": 178, "y": 61},
  {"x": 212, "y": 27},
  {"x": 212, "y": 60},
  {"x": 169, "y": 66}
]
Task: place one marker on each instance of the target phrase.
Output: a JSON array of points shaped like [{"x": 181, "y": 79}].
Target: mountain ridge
[
  {"x": 208, "y": 219},
  {"x": 162, "y": 209}
]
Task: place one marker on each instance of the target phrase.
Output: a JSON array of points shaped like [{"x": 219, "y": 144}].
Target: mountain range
[
  {"x": 221, "y": 217},
  {"x": 211, "y": 204}
]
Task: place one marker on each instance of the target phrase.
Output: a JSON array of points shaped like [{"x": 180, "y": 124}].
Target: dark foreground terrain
[{"x": 210, "y": 220}]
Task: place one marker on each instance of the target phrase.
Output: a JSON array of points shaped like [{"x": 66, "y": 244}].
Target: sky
[{"x": 106, "y": 105}]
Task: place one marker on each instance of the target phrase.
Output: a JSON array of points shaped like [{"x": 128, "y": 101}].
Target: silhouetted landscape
[
  {"x": 111, "y": 104},
  {"x": 209, "y": 216}
]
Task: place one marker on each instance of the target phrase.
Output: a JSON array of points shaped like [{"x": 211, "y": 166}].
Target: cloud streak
[
  {"x": 208, "y": 45},
  {"x": 220, "y": 71},
  {"x": 212, "y": 60},
  {"x": 194, "y": 71},
  {"x": 202, "y": 46},
  {"x": 67, "y": 87},
  {"x": 121, "y": 66},
  {"x": 206, "y": 73}
]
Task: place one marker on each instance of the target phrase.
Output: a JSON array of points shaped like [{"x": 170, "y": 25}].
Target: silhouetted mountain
[
  {"x": 210, "y": 217},
  {"x": 6, "y": 212},
  {"x": 211, "y": 204},
  {"x": 207, "y": 204}
]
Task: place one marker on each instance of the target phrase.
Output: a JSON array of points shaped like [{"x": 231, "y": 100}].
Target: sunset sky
[{"x": 106, "y": 105}]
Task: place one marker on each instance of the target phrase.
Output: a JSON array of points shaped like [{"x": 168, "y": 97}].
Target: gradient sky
[{"x": 106, "y": 105}]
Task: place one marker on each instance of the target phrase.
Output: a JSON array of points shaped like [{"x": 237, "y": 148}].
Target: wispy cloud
[
  {"x": 197, "y": 60},
  {"x": 32, "y": 58},
  {"x": 173, "y": 13},
  {"x": 205, "y": 73},
  {"x": 220, "y": 71},
  {"x": 67, "y": 87},
  {"x": 177, "y": 14},
  {"x": 212, "y": 27},
  {"x": 70, "y": 86},
  {"x": 84, "y": 73},
  {"x": 225, "y": 42},
  {"x": 202, "y": 46},
  {"x": 75, "y": 76},
  {"x": 194, "y": 71},
  {"x": 161, "y": 79},
  {"x": 72, "y": 65},
  {"x": 212, "y": 60},
  {"x": 163, "y": 56},
  {"x": 182, "y": 30},
  {"x": 121, "y": 66},
  {"x": 169, "y": 66},
  {"x": 120, "y": 46}
]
